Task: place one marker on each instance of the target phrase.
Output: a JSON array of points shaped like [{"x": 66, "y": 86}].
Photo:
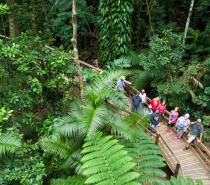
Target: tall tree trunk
[
  {"x": 45, "y": 14},
  {"x": 33, "y": 20},
  {"x": 76, "y": 56},
  {"x": 150, "y": 19},
  {"x": 188, "y": 21},
  {"x": 12, "y": 23},
  {"x": 2, "y": 20}
]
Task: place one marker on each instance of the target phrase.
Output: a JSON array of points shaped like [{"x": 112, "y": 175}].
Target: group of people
[{"x": 157, "y": 110}]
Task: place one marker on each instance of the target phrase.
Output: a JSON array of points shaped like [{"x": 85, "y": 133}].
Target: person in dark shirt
[
  {"x": 155, "y": 118},
  {"x": 196, "y": 129},
  {"x": 136, "y": 102}
]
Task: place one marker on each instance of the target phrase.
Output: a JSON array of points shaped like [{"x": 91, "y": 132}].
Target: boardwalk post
[
  {"x": 157, "y": 138},
  {"x": 176, "y": 169}
]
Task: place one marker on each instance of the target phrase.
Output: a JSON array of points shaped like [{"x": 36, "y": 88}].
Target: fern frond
[
  {"x": 151, "y": 180},
  {"x": 9, "y": 143},
  {"x": 148, "y": 158},
  {"x": 76, "y": 180},
  {"x": 181, "y": 180},
  {"x": 152, "y": 172},
  {"x": 108, "y": 163}
]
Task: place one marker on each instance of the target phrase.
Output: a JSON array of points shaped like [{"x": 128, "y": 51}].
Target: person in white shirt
[{"x": 143, "y": 96}]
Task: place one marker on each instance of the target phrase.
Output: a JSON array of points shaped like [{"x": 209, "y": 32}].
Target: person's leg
[
  {"x": 140, "y": 107},
  {"x": 180, "y": 135},
  {"x": 190, "y": 139},
  {"x": 133, "y": 108},
  {"x": 160, "y": 119},
  {"x": 168, "y": 129},
  {"x": 153, "y": 126},
  {"x": 177, "y": 133}
]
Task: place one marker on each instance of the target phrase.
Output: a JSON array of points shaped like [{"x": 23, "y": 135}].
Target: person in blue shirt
[
  {"x": 121, "y": 83},
  {"x": 136, "y": 102}
]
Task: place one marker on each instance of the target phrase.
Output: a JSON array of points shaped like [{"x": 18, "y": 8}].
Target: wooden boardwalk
[{"x": 191, "y": 165}]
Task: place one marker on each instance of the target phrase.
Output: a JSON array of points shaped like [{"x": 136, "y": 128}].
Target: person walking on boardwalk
[
  {"x": 155, "y": 118},
  {"x": 121, "y": 83},
  {"x": 196, "y": 129},
  {"x": 136, "y": 102},
  {"x": 155, "y": 103},
  {"x": 143, "y": 96},
  {"x": 172, "y": 119},
  {"x": 162, "y": 109},
  {"x": 182, "y": 124}
]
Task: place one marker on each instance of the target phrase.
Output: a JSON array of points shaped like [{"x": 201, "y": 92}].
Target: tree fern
[
  {"x": 182, "y": 181},
  {"x": 74, "y": 180},
  {"x": 9, "y": 143},
  {"x": 105, "y": 162},
  {"x": 148, "y": 158}
]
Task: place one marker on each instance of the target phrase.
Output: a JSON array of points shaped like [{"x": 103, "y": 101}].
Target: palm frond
[
  {"x": 125, "y": 61},
  {"x": 195, "y": 81},
  {"x": 105, "y": 162},
  {"x": 103, "y": 88},
  {"x": 193, "y": 96},
  {"x": 140, "y": 78},
  {"x": 71, "y": 125},
  {"x": 116, "y": 126},
  {"x": 73, "y": 161},
  {"x": 95, "y": 118},
  {"x": 9, "y": 143},
  {"x": 55, "y": 145}
]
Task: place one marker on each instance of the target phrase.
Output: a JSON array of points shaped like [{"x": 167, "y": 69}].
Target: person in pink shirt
[
  {"x": 155, "y": 102},
  {"x": 162, "y": 109},
  {"x": 172, "y": 119}
]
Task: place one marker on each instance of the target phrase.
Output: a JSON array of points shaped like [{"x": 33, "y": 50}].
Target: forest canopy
[{"x": 54, "y": 116}]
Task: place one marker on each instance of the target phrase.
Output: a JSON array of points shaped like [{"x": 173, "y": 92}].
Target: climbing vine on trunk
[{"x": 115, "y": 28}]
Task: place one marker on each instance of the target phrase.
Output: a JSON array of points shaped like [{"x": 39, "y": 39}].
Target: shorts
[
  {"x": 171, "y": 124},
  {"x": 190, "y": 138},
  {"x": 180, "y": 132}
]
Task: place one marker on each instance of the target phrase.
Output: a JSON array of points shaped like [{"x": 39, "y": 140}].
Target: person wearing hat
[
  {"x": 121, "y": 83},
  {"x": 196, "y": 129},
  {"x": 182, "y": 124},
  {"x": 136, "y": 102}
]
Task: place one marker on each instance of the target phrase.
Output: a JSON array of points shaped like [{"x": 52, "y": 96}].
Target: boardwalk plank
[{"x": 191, "y": 166}]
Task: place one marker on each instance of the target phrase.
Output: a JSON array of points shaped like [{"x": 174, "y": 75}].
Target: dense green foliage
[
  {"x": 45, "y": 131},
  {"x": 114, "y": 20}
]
